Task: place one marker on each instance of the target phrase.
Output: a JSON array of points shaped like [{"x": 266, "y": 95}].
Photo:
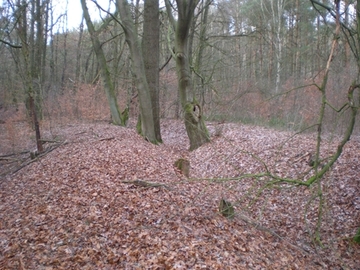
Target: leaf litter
[{"x": 76, "y": 207}]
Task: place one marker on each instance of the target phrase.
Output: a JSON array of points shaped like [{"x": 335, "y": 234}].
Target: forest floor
[{"x": 78, "y": 207}]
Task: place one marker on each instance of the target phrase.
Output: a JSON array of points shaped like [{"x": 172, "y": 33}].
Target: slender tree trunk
[
  {"x": 199, "y": 79},
  {"x": 36, "y": 124},
  {"x": 46, "y": 7},
  {"x": 78, "y": 55},
  {"x": 116, "y": 115},
  {"x": 65, "y": 58},
  {"x": 317, "y": 59},
  {"x": 297, "y": 69},
  {"x": 53, "y": 53},
  {"x": 30, "y": 73},
  {"x": 277, "y": 12},
  {"x": 150, "y": 50}
]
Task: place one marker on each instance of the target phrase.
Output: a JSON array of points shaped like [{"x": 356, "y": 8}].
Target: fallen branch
[
  {"x": 257, "y": 226},
  {"x": 44, "y": 153},
  {"x": 145, "y": 184},
  {"x": 9, "y": 159},
  {"x": 48, "y": 141},
  {"x": 107, "y": 139},
  {"x": 14, "y": 154}
]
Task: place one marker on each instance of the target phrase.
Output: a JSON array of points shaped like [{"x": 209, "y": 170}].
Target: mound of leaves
[{"x": 106, "y": 199}]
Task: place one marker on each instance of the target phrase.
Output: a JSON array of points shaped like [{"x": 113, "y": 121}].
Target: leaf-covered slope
[{"x": 72, "y": 210}]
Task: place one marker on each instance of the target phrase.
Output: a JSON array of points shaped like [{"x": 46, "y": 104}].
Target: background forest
[{"x": 251, "y": 61}]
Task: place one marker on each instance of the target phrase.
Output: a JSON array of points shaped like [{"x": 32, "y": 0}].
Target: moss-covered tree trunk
[
  {"x": 195, "y": 125},
  {"x": 194, "y": 122}
]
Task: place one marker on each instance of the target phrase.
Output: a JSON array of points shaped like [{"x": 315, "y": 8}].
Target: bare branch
[{"x": 11, "y": 45}]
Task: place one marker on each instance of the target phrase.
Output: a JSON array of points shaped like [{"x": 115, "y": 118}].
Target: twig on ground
[
  {"x": 107, "y": 139},
  {"x": 36, "y": 159},
  {"x": 145, "y": 184},
  {"x": 256, "y": 225}
]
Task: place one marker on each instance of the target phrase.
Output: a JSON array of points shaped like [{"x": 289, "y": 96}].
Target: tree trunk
[
  {"x": 150, "y": 50},
  {"x": 199, "y": 79},
  {"x": 116, "y": 116},
  {"x": 146, "y": 108},
  {"x": 36, "y": 124},
  {"x": 31, "y": 68},
  {"x": 194, "y": 122},
  {"x": 79, "y": 53},
  {"x": 195, "y": 126}
]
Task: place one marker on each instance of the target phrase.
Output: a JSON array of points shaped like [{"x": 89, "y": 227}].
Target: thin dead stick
[
  {"x": 145, "y": 184},
  {"x": 37, "y": 158},
  {"x": 262, "y": 228}
]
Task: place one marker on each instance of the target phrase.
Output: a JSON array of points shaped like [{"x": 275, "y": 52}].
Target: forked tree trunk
[{"x": 146, "y": 107}]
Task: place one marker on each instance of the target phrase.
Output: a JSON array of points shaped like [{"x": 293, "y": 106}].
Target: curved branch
[{"x": 11, "y": 45}]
